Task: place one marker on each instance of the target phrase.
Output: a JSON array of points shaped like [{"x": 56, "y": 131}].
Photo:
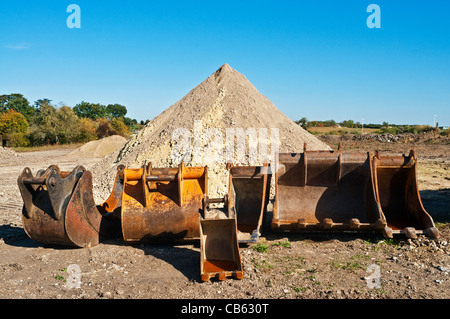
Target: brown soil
[{"x": 287, "y": 266}]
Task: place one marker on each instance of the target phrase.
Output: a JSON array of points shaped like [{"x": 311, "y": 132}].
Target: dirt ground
[{"x": 280, "y": 266}]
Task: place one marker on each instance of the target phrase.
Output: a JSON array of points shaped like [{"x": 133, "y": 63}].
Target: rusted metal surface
[
  {"x": 333, "y": 190},
  {"x": 249, "y": 190},
  {"x": 162, "y": 204},
  {"x": 326, "y": 190},
  {"x": 399, "y": 197},
  {"x": 59, "y": 207},
  {"x": 246, "y": 200},
  {"x": 219, "y": 249},
  {"x": 113, "y": 204}
]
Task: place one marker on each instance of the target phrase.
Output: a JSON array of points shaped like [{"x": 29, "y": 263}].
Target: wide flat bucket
[
  {"x": 326, "y": 190},
  {"x": 59, "y": 207},
  {"x": 162, "y": 204},
  {"x": 219, "y": 250},
  {"x": 399, "y": 197},
  {"x": 249, "y": 190}
]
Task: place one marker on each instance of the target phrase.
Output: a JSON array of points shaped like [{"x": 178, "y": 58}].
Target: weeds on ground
[
  {"x": 60, "y": 277},
  {"x": 353, "y": 265},
  {"x": 282, "y": 243},
  {"x": 262, "y": 265},
  {"x": 261, "y": 248}
]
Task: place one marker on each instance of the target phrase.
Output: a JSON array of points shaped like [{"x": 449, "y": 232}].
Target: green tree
[
  {"x": 18, "y": 103},
  {"x": 348, "y": 123},
  {"x": 44, "y": 130},
  {"x": 116, "y": 110},
  {"x": 303, "y": 122},
  {"x": 38, "y": 103},
  {"x": 90, "y": 110},
  {"x": 67, "y": 125}
]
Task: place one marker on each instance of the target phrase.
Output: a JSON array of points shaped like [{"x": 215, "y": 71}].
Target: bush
[
  {"x": 86, "y": 130},
  {"x": 390, "y": 130},
  {"x": 104, "y": 128},
  {"x": 36, "y": 136},
  {"x": 114, "y": 127},
  {"x": 17, "y": 139},
  {"x": 119, "y": 127},
  {"x": 67, "y": 125},
  {"x": 13, "y": 128}
]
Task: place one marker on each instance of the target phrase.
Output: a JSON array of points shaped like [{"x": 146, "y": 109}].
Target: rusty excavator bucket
[
  {"x": 398, "y": 194},
  {"x": 249, "y": 190},
  {"x": 159, "y": 204},
  {"x": 219, "y": 249},
  {"x": 333, "y": 190},
  {"x": 326, "y": 190},
  {"x": 59, "y": 207},
  {"x": 236, "y": 218},
  {"x": 112, "y": 207},
  {"x": 246, "y": 200}
]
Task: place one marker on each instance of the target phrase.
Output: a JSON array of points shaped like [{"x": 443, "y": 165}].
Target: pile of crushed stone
[
  {"x": 199, "y": 128},
  {"x": 7, "y": 154},
  {"x": 99, "y": 148}
]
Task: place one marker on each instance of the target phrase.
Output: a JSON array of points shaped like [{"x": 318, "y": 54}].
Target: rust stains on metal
[
  {"x": 162, "y": 203},
  {"x": 59, "y": 207},
  {"x": 333, "y": 190},
  {"x": 399, "y": 197},
  {"x": 219, "y": 250}
]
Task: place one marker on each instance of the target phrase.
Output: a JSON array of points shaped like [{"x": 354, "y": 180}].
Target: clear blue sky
[{"x": 313, "y": 59}]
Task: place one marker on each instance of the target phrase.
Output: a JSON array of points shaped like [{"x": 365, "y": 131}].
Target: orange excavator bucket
[
  {"x": 246, "y": 200},
  {"x": 160, "y": 204},
  {"x": 236, "y": 218},
  {"x": 219, "y": 249},
  {"x": 59, "y": 207},
  {"x": 398, "y": 194},
  {"x": 326, "y": 190}
]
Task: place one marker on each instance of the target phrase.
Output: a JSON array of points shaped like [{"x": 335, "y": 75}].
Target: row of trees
[
  {"x": 303, "y": 122},
  {"x": 385, "y": 127},
  {"x": 23, "y": 124}
]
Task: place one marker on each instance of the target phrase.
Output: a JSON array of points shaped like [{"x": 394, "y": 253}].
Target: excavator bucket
[
  {"x": 112, "y": 206},
  {"x": 326, "y": 190},
  {"x": 398, "y": 194},
  {"x": 249, "y": 190},
  {"x": 59, "y": 207},
  {"x": 161, "y": 204},
  {"x": 247, "y": 198},
  {"x": 219, "y": 249}
]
